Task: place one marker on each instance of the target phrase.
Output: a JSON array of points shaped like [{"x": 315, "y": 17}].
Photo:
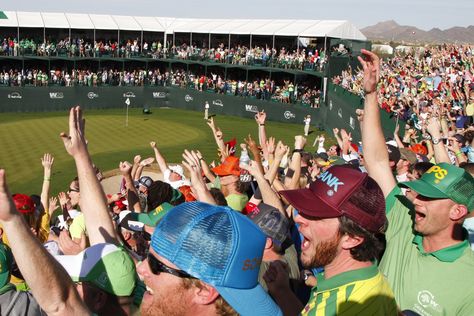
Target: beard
[
  {"x": 324, "y": 253},
  {"x": 167, "y": 303}
]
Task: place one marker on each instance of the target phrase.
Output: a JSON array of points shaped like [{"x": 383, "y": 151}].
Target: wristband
[
  {"x": 297, "y": 151},
  {"x": 47, "y": 179},
  {"x": 261, "y": 124},
  {"x": 458, "y": 154}
]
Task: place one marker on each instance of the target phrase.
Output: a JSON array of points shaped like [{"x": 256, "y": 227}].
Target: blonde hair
[{"x": 222, "y": 307}]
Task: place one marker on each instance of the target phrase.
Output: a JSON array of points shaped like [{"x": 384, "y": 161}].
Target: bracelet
[
  {"x": 458, "y": 154},
  {"x": 261, "y": 124},
  {"x": 297, "y": 151},
  {"x": 47, "y": 179}
]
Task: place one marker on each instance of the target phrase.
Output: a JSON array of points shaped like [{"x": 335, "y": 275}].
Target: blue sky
[{"x": 425, "y": 14}]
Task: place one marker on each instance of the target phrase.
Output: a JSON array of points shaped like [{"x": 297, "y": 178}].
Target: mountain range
[{"x": 391, "y": 31}]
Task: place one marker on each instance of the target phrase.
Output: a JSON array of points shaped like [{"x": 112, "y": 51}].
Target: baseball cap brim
[
  {"x": 253, "y": 301},
  {"x": 306, "y": 202},
  {"x": 423, "y": 188},
  {"x": 105, "y": 265}
]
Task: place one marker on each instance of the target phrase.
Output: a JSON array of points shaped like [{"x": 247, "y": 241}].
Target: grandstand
[{"x": 279, "y": 53}]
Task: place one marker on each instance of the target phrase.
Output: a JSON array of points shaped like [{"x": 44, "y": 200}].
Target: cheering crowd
[
  {"x": 287, "y": 58},
  {"x": 263, "y": 89},
  {"x": 377, "y": 228},
  {"x": 428, "y": 81}
]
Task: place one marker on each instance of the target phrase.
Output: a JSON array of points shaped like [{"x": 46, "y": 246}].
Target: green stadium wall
[
  {"x": 44, "y": 99},
  {"x": 338, "y": 111}
]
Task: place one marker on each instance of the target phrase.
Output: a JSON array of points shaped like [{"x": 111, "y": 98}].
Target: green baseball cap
[
  {"x": 445, "y": 181},
  {"x": 5, "y": 264},
  {"x": 106, "y": 266},
  {"x": 154, "y": 216}
]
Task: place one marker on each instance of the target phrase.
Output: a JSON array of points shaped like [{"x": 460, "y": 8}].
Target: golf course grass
[{"x": 25, "y": 137}]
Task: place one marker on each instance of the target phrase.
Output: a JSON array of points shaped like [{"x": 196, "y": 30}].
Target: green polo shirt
[{"x": 436, "y": 283}]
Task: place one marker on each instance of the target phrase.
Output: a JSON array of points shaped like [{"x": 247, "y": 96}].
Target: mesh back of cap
[
  {"x": 202, "y": 248},
  {"x": 462, "y": 191},
  {"x": 366, "y": 206}
]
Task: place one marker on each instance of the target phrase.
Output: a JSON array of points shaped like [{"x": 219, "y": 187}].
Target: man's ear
[
  {"x": 349, "y": 242},
  {"x": 268, "y": 243},
  {"x": 458, "y": 212},
  {"x": 204, "y": 294}
]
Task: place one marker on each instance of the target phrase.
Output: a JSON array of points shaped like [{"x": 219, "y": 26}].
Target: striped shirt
[{"x": 358, "y": 292}]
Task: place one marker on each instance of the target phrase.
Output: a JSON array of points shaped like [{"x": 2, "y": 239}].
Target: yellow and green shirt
[{"x": 358, "y": 292}]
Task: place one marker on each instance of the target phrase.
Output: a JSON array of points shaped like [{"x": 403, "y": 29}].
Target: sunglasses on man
[{"x": 156, "y": 267}]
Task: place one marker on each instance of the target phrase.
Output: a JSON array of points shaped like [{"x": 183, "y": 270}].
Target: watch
[{"x": 435, "y": 140}]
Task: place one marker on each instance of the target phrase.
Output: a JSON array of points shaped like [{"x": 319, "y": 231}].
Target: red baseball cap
[
  {"x": 24, "y": 204},
  {"x": 342, "y": 191}
]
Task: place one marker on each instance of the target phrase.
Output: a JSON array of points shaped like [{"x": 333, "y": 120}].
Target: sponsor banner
[
  {"x": 129, "y": 94},
  {"x": 218, "y": 102},
  {"x": 56, "y": 95},
  {"x": 92, "y": 95},
  {"x": 289, "y": 115},
  {"x": 159, "y": 95},
  {"x": 251, "y": 108},
  {"x": 15, "y": 95},
  {"x": 188, "y": 98}
]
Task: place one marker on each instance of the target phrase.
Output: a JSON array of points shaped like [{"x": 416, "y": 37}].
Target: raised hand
[
  {"x": 125, "y": 167},
  {"x": 300, "y": 142},
  {"x": 260, "y": 117},
  {"x": 47, "y": 161},
  {"x": 153, "y": 145},
  {"x": 252, "y": 168},
  {"x": 75, "y": 142},
  {"x": 146, "y": 162},
  {"x": 136, "y": 159},
  {"x": 211, "y": 123},
  {"x": 271, "y": 145},
  {"x": 53, "y": 204},
  {"x": 281, "y": 150},
  {"x": 251, "y": 143},
  {"x": 7, "y": 208},
  {"x": 63, "y": 199},
  {"x": 371, "y": 65}
]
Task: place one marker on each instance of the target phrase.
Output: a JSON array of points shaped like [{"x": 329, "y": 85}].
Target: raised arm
[
  {"x": 268, "y": 195},
  {"x": 374, "y": 147},
  {"x": 191, "y": 162},
  {"x": 205, "y": 168},
  {"x": 47, "y": 162},
  {"x": 217, "y": 133},
  {"x": 440, "y": 152},
  {"x": 93, "y": 201},
  {"x": 51, "y": 286},
  {"x": 159, "y": 158}
]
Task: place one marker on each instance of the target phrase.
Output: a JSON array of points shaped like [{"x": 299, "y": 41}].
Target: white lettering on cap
[{"x": 331, "y": 180}]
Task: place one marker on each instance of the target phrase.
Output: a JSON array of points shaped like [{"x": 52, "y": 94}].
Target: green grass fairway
[{"x": 25, "y": 137}]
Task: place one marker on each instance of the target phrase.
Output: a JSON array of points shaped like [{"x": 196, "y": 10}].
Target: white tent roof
[{"x": 303, "y": 28}]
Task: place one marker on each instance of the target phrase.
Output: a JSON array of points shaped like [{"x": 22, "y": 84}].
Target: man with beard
[
  {"x": 339, "y": 216},
  {"x": 204, "y": 260}
]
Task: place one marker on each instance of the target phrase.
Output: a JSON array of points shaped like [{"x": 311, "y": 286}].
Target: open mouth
[
  {"x": 305, "y": 243},
  {"x": 419, "y": 216}
]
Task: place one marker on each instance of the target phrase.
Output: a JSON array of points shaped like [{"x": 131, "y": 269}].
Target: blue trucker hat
[{"x": 220, "y": 247}]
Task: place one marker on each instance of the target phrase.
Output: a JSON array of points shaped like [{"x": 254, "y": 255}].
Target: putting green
[{"x": 25, "y": 137}]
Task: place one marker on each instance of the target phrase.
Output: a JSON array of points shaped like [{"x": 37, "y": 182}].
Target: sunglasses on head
[{"x": 156, "y": 267}]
